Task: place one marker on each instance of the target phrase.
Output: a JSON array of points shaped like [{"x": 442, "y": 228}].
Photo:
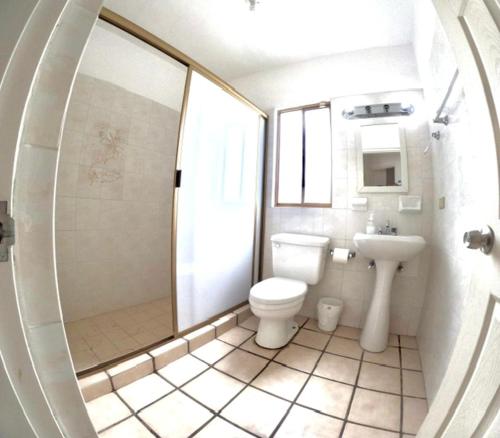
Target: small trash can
[{"x": 329, "y": 310}]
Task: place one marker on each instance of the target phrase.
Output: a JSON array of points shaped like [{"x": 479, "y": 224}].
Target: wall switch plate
[{"x": 442, "y": 202}]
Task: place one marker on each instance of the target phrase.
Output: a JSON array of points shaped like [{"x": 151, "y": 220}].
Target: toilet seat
[{"x": 278, "y": 290}]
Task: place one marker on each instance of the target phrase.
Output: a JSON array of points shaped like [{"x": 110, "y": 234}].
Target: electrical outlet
[{"x": 441, "y": 202}]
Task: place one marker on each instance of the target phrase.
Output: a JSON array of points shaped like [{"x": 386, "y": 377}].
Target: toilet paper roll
[{"x": 340, "y": 255}]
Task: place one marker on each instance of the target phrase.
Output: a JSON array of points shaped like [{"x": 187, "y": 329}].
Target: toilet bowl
[
  {"x": 298, "y": 260},
  {"x": 276, "y": 301}
]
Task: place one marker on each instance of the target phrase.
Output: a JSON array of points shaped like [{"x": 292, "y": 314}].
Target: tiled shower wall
[
  {"x": 353, "y": 282},
  {"x": 114, "y": 196}
]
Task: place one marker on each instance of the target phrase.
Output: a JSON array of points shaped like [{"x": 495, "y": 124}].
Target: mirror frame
[{"x": 403, "y": 188}]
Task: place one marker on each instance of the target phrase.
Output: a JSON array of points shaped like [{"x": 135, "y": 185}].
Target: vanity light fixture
[
  {"x": 252, "y": 4},
  {"x": 378, "y": 110}
]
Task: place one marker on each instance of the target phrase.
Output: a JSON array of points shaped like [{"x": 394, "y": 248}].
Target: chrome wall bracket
[
  {"x": 7, "y": 238},
  {"x": 443, "y": 120}
]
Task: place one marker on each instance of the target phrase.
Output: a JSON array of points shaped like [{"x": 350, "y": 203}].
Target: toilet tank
[{"x": 299, "y": 256}]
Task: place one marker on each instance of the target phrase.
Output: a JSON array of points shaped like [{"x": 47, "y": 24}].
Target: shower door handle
[{"x": 6, "y": 232}]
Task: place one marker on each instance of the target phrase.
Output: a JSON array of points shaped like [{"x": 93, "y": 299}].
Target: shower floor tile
[
  {"x": 110, "y": 335},
  {"x": 326, "y": 387}
]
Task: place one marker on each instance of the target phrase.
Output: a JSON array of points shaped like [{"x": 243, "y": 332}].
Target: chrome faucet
[{"x": 388, "y": 230}]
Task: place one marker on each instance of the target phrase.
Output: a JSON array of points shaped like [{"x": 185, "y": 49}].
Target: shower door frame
[{"x": 142, "y": 34}]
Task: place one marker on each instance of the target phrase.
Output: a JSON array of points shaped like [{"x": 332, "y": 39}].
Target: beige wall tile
[
  {"x": 200, "y": 337},
  {"x": 225, "y": 323},
  {"x": 243, "y": 313},
  {"x": 169, "y": 352},
  {"x": 95, "y": 386},
  {"x": 131, "y": 370}
]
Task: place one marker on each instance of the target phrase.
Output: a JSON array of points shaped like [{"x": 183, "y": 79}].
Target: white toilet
[{"x": 298, "y": 260}]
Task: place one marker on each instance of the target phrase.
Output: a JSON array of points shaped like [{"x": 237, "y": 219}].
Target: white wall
[
  {"x": 359, "y": 73},
  {"x": 364, "y": 71},
  {"x": 105, "y": 59}
]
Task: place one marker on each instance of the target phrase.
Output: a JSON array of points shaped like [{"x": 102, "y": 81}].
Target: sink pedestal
[{"x": 375, "y": 333}]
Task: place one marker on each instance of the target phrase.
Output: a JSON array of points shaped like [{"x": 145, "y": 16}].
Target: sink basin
[
  {"x": 388, "y": 252},
  {"x": 383, "y": 247}
]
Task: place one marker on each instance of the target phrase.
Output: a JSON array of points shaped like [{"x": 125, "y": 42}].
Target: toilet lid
[{"x": 277, "y": 290}]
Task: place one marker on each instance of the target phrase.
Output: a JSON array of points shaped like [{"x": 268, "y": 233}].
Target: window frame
[{"x": 303, "y": 109}]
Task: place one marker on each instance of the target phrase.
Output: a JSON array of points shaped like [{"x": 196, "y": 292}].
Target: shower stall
[{"x": 158, "y": 196}]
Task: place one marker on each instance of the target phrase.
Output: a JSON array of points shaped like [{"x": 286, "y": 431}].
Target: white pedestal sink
[{"x": 388, "y": 252}]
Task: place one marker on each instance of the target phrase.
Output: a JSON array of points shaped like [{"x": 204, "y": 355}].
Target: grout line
[
  {"x": 401, "y": 383},
  {"x": 114, "y": 424},
  {"x": 352, "y": 395},
  {"x": 248, "y": 384},
  {"x": 218, "y": 413},
  {"x": 294, "y": 401},
  {"x": 134, "y": 414}
]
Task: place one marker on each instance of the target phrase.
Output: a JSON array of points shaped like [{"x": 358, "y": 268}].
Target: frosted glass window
[
  {"x": 380, "y": 138},
  {"x": 318, "y": 167},
  {"x": 290, "y": 158},
  {"x": 304, "y": 168}
]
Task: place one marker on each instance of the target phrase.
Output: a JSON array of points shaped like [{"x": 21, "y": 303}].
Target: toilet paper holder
[{"x": 351, "y": 255}]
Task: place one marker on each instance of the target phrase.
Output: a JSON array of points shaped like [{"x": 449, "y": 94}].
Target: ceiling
[{"x": 232, "y": 41}]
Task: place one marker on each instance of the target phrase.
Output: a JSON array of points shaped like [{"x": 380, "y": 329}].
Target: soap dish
[{"x": 410, "y": 204}]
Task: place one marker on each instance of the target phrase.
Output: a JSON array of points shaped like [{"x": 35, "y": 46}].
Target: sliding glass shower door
[{"x": 217, "y": 200}]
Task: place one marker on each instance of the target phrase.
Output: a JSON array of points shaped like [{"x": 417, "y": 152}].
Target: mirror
[{"x": 382, "y": 160}]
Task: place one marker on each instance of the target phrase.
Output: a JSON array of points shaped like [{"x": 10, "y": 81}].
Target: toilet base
[{"x": 275, "y": 333}]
